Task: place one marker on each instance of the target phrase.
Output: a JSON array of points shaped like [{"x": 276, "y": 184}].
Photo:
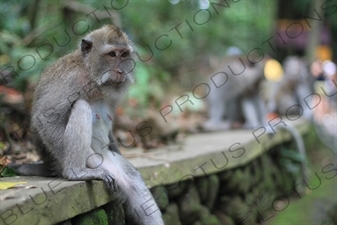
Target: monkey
[
  {"x": 234, "y": 94},
  {"x": 292, "y": 94},
  {"x": 72, "y": 118}
]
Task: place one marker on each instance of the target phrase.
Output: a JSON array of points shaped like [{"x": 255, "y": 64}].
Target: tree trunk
[{"x": 314, "y": 35}]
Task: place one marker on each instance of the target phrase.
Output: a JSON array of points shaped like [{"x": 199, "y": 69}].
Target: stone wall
[
  {"x": 213, "y": 178},
  {"x": 248, "y": 194}
]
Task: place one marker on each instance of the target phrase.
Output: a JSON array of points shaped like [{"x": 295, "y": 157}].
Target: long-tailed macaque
[
  {"x": 292, "y": 95},
  {"x": 234, "y": 94},
  {"x": 72, "y": 113}
]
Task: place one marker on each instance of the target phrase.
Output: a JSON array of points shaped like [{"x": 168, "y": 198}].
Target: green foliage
[
  {"x": 291, "y": 160},
  {"x": 97, "y": 216},
  {"x": 191, "y": 29},
  {"x": 149, "y": 83},
  {"x": 8, "y": 172},
  {"x": 14, "y": 52},
  {"x": 221, "y": 27}
]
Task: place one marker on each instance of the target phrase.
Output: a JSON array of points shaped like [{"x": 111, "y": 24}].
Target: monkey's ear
[{"x": 86, "y": 46}]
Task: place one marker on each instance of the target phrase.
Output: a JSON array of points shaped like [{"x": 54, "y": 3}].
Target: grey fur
[
  {"x": 295, "y": 88},
  {"x": 74, "y": 103},
  {"x": 235, "y": 94}
]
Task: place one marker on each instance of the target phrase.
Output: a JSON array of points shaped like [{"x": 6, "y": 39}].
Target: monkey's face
[
  {"x": 119, "y": 66},
  {"x": 108, "y": 54},
  {"x": 293, "y": 67}
]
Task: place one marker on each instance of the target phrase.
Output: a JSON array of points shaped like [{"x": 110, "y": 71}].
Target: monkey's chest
[{"x": 101, "y": 125}]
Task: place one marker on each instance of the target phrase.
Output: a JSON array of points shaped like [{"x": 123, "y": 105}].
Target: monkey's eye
[
  {"x": 125, "y": 54},
  {"x": 112, "y": 54}
]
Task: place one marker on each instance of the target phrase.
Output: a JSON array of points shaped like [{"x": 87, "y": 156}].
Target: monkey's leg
[
  {"x": 139, "y": 203},
  {"x": 216, "y": 111},
  {"x": 233, "y": 110},
  {"x": 262, "y": 110},
  {"x": 251, "y": 112},
  {"x": 305, "y": 98},
  {"x": 77, "y": 151}
]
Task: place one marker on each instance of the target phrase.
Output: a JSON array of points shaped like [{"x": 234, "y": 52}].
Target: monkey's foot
[
  {"x": 91, "y": 174},
  {"x": 216, "y": 126}
]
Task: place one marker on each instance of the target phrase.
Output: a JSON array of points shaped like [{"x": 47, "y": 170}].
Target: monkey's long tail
[{"x": 300, "y": 147}]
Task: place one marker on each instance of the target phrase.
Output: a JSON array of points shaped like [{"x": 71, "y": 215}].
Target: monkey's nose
[{"x": 120, "y": 78}]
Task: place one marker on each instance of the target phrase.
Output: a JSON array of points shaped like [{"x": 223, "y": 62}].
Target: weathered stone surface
[
  {"x": 203, "y": 188},
  {"x": 171, "y": 215},
  {"x": 67, "y": 222},
  {"x": 256, "y": 171},
  {"x": 189, "y": 206},
  {"x": 274, "y": 170},
  {"x": 224, "y": 219},
  {"x": 177, "y": 189},
  {"x": 268, "y": 180},
  {"x": 115, "y": 213},
  {"x": 52, "y": 201},
  {"x": 214, "y": 185},
  {"x": 94, "y": 217},
  {"x": 207, "y": 218},
  {"x": 287, "y": 181},
  {"x": 161, "y": 196},
  {"x": 56, "y": 200},
  {"x": 235, "y": 181},
  {"x": 234, "y": 208},
  {"x": 225, "y": 176},
  {"x": 246, "y": 181}
]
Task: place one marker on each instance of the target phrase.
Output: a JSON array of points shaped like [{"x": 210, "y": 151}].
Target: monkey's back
[{"x": 52, "y": 102}]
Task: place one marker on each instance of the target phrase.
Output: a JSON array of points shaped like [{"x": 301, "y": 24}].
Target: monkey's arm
[{"x": 78, "y": 160}]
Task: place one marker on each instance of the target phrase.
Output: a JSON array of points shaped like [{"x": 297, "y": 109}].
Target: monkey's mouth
[{"x": 116, "y": 80}]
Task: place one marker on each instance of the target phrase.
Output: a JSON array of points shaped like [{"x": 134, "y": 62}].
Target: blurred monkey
[
  {"x": 235, "y": 95},
  {"x": 292, "y": 94}
]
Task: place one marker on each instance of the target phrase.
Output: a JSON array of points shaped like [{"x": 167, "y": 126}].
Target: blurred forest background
[{"x": 176, "y": 41}]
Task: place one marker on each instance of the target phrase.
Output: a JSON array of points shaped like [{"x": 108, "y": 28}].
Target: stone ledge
[
  {"x": 55, "y": 200},
  {"x": 208, "y": 153}
]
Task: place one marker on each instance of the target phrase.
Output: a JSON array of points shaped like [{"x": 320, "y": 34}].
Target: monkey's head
[{"x": 109, "y": 57}]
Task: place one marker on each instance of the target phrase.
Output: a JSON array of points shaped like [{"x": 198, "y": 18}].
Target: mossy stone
[
  {"x": 189, "y": 206},
  {"x": 94, "y": 217},
  {"x": 171, "y": 214},
  {"x": 161, "y": 196},
  {"x": 115, "y": 213}
]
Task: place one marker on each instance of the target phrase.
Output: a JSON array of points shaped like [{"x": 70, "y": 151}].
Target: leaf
[
  {"x": 7, "y": 172},
  {"x": 7, "y": 185},
  {"x": 293, "y": 155}
]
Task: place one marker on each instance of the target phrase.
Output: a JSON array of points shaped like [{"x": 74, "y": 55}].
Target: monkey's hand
[{"x": 91, "y": 174}]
